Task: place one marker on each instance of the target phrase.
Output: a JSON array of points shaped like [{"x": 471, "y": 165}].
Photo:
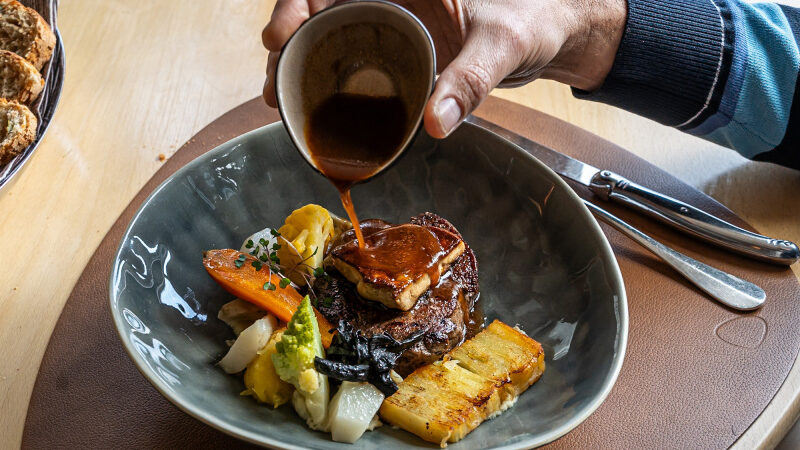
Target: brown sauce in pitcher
[{"x": 351, "y": 137}]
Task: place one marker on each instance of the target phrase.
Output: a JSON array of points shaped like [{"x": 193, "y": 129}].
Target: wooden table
[{"x": 143, "y": 77}]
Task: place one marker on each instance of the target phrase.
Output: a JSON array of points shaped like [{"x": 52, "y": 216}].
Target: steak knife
[{"x": 611, "y": 186}]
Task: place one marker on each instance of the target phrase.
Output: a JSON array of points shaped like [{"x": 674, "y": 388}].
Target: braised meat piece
[{"x": 441, "y": 313}]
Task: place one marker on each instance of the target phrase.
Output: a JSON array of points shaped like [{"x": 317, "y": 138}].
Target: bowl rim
[{"x": 607, "y": 254}]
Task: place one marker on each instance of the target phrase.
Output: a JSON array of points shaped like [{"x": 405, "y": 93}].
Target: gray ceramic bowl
[{"x": 544, "y": 264}]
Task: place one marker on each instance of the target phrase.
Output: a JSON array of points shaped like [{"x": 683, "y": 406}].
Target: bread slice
[
  {"x": 444, "y": 401},
  {"x": 19, "y": 80},
  {"x": 17, "y": 129},
  {"x": 393, "y": 291},
  {"x": 24, "y": 32}
]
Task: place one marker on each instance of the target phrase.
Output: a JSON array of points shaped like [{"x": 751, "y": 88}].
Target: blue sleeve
[{"x": 724, "y": 70}]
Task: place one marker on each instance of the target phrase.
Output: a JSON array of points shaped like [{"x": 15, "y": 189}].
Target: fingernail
[{"x": 448, "y": 114}]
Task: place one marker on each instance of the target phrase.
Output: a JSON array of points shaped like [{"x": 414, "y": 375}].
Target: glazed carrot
[{"x": 247, "y": 283}]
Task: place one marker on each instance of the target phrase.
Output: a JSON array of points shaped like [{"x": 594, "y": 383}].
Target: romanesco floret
[
  {"x": 301, "y": 342},
  {"x": 294, "y": 363}
]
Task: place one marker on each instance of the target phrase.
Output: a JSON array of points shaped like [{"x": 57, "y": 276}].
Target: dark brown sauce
[
  {"x": 475, "y": 319},
  {"x": 449, "y": 288},
  {"x": 351, "y": 137},
  {"x": 396, "y": 256},
  {"x": 368, "y": 227},
  {"x": 452, "y": 287}
]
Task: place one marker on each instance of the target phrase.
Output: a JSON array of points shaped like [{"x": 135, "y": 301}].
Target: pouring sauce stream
[{"x": 352, "y": 137}]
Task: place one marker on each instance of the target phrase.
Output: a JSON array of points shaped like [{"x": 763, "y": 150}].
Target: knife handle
[{"x": 610, "y": 186}]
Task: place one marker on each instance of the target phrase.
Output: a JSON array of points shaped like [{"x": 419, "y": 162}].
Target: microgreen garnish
[
  {"x": 239, "y": 262},
  {"x": 266, "y": 257}
]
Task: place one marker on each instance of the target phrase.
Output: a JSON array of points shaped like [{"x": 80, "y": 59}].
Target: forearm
[{"x": 725, "y": 70}]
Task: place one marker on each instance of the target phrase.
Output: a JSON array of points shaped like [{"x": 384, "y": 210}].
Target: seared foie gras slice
[
  {"x": 444, "y": 401},
  {"x": 398, "y": 263}
]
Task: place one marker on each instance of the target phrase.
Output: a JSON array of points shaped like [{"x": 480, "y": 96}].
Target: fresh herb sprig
[{"x": 267, "y": 256}]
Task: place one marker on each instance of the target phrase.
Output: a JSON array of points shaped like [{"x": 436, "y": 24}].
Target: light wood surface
[{"x": 143, "y": 77}]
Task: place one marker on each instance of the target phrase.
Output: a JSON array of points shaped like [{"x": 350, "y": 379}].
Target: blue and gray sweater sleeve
[{"x": 724, "y": 70}]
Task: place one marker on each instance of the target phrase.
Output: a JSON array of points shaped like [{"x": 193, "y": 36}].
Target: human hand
[{"x": 482, "y": 45}]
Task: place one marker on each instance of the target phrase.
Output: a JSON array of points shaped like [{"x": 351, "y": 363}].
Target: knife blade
[{"x": 610, "y": 186}]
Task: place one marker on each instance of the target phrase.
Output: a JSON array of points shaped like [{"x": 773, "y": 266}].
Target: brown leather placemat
[{"x": 696, "y": 374}]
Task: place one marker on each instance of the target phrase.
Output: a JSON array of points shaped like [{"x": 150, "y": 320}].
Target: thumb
[{"x": 464, "y": 84}]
